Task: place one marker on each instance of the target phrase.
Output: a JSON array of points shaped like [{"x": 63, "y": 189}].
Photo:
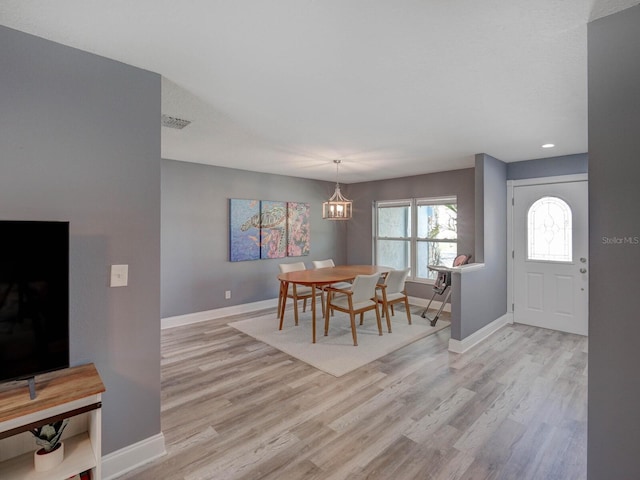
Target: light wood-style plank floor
[{"x": 514, "y": 407}]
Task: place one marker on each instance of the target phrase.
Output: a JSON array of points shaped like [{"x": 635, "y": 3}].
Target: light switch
[{"x": 119, "y": 275}]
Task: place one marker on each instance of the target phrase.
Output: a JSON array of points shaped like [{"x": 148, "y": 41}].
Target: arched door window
[{"x": 549, "y": 230}]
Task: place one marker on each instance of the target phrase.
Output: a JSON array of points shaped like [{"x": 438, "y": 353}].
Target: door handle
[{"x": 583, "y": 270}]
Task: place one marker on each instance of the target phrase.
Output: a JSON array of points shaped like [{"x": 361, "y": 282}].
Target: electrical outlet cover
[{"x": 119, "y": 275}]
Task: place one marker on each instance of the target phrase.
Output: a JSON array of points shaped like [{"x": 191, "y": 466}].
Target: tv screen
[{"x": 34, "y": 298}]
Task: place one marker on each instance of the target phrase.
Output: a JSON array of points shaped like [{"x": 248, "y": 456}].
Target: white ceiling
[{"x": 391, "y": 87}]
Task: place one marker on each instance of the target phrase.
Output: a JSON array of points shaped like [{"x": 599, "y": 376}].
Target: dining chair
[
  {"x": 326, "y": 264},
  {"x": 393, "y": 291},
  {"x": 298, "y": 292},
  {"x": 323, "y": 263},
  {"x": 360, "y": 298}
]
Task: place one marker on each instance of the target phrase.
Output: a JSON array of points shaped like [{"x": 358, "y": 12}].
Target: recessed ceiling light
[{"x": 548, "y": 145}]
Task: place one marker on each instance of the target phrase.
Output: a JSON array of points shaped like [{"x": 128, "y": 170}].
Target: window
[
  {"x": 549, "y": 227},
  {"x": 437, "y": 239},
  {"x": 416, "y": 233},
  {"x": 393, "y": 237}
]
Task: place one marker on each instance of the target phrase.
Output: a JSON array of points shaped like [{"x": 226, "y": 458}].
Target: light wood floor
[{"x": 514, "y": 407}]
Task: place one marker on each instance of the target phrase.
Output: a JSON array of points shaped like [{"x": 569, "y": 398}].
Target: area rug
[{"x": 335, "y": 354}]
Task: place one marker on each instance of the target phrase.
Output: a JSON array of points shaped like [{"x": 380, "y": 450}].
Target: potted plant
[{"x": 52, "y": 451}]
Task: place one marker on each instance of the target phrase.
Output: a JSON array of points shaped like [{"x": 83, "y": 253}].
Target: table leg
[
  {"x": 313, "y": 310},
  {"x": 284, "y": 289}
]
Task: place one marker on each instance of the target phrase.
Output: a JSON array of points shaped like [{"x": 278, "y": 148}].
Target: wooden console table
[{"x": 61, "y": 394}]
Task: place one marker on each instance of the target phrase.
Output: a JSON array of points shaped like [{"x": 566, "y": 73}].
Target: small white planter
[{"x": 46, "y": 461}]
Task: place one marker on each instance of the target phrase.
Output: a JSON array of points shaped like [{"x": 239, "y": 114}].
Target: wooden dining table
[{"x": 317, "y": 278}]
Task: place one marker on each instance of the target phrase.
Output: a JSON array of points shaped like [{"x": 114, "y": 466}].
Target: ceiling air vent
[{"x": 173, "y": 122}]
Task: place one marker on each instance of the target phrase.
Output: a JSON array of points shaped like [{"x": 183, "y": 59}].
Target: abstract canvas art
[
  {"x": 268, "y": 229},
  {"x": 273, "y": 229},
  {"x": 244, "y": 229},
  {"x": 298, "y": 230}
]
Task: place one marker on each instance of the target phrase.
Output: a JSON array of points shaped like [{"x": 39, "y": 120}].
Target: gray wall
[
  {"x": 480, "y": 297},
  {"x": 196, "y": 270},
  {"x": 80, "y": 142},
  {"x": 454, "y": 182},
  {"x": 548, "y": 167},
  {"x": 614, "y": 196}
]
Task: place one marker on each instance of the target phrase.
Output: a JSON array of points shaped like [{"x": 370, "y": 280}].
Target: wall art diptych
[{"x": 268, "y": 229}]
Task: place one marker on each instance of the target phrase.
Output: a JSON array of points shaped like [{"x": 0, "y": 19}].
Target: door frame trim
[{"x": 511, "y": 184}]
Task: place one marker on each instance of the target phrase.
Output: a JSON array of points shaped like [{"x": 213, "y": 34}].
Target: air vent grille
[{"x": 173, "y": 122}]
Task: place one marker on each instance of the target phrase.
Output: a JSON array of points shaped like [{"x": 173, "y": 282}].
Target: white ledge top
[{"x": 468, "y": 267}]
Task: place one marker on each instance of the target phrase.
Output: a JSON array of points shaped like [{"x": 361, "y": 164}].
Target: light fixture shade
[{"x": 337, "y": 207}]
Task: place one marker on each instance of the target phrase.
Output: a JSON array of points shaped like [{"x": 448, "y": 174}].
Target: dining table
[{"x": 317, "y": 278}]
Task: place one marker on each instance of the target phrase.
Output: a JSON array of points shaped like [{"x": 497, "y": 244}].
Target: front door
[{"x": 550, "y": 238}]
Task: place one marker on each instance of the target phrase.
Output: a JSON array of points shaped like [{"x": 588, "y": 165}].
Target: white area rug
[{"x": 335, "y": 354}]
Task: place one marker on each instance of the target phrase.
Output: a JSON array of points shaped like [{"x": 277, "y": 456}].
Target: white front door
[{"x": 550, "y": 268}]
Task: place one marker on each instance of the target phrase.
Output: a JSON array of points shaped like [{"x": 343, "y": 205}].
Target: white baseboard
[
  {"x": 461, "y": 346},
  {"x": 189, "y": 318},
  {"x": 129, "y": 458},
  {"x": 423, "y": 302}
]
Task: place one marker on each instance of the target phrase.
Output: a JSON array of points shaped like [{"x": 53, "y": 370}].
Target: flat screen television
[{"x": 34, "y": 298}]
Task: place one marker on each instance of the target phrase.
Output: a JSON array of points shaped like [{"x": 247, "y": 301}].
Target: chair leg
[
  {"x": 295, "y": 310},
  {"x": 353, "y": 329},
  {"x": 379, "y": 322},
  {"x": 392, "y": 312},
  {"x": 386, "y": 307},
  {"x": 406, "y": 305},
  {"x": 361, "y": 318}
]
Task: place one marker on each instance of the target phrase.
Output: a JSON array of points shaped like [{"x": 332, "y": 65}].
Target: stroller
[{"x": 443, "y": 284}]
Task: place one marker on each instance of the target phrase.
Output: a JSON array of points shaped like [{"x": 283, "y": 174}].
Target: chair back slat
[
  {"x": 364, "y": 287},
  {"x": 395, "y": 280},
  {"x": 291, "y": 267},
  {"x": 323, "y": 263}
]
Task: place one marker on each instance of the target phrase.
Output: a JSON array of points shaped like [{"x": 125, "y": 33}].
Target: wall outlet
[{"x": 227, "y": 294}]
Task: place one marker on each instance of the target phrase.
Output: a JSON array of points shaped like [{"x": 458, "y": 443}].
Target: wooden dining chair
[
  {"x": 393, "y": 291},
  {"x": 298, "y": 292},
  {"x": 360, "y": 298},
  {"x": 323, "y": 263},
  {"x": 327, "y": 264}
]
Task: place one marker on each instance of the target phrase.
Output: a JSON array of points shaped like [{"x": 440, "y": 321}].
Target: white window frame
[{"x": 413, "y": 239}]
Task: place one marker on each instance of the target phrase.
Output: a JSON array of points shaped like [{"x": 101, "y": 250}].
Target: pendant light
[{"x": 337, "y": 207}]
